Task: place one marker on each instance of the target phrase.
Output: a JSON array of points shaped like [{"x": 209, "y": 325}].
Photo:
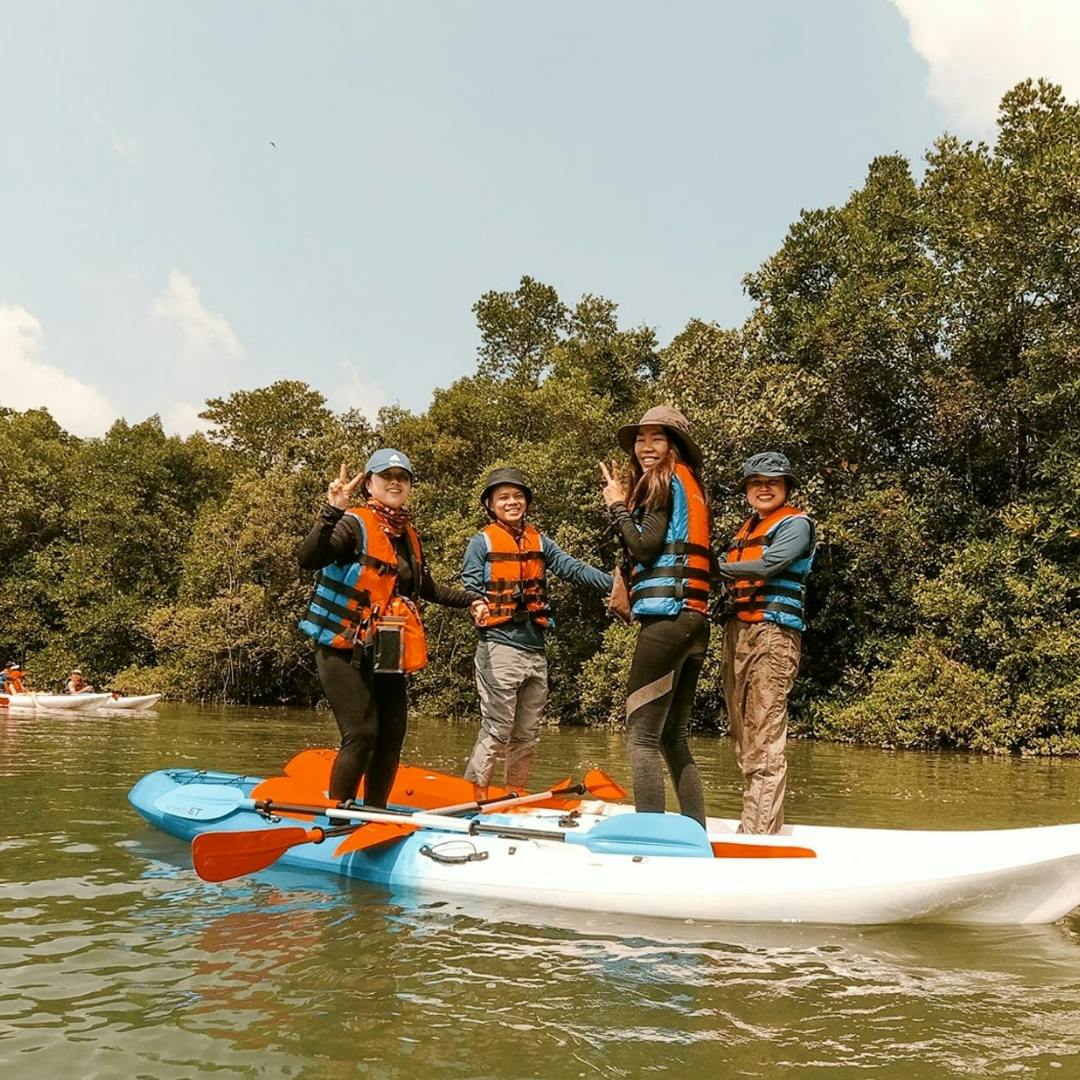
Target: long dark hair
[{"x": 650, "y": 489}]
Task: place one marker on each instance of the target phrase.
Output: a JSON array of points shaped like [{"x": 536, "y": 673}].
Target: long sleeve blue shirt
[
  {"x": 794, "y": 538},
  {"x": 528, "y": 635}
]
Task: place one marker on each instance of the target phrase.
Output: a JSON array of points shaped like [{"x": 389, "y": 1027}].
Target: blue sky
[{"x": 156, "y": 249}]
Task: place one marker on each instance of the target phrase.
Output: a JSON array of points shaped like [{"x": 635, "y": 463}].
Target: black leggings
[
  {"x": 659, "y": 696},
  {"x": 371, "y": 712}
]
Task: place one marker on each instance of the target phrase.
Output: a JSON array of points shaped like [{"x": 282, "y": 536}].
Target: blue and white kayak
[{"x": 856, "y": 876}]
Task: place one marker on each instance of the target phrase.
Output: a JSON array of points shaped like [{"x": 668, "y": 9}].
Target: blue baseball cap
[{"x": 388, "y": 458}]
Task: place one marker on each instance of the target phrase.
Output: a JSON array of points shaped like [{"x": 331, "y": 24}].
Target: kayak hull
[
  {"x": 34, "y": 700},
  {"x": 143, "y": 701},
  {"x": 859, "y": 876}
]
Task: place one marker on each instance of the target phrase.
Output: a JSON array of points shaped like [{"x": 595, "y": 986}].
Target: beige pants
[
  {"x": 513, "y": 688},
  {"x": 761, "y": 661}
]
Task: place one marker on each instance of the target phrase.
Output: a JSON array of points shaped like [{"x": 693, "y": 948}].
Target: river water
[{"x": 117, "y": 961}]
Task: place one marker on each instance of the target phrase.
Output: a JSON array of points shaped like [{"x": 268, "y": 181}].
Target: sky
[{"x": 202, "y": 198}]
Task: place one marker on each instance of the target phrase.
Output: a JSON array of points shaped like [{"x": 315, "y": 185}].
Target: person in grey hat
[
  {"x": 663, "y": 519},
  {"x": 364, "y": 619},
  {"x": 507, "y": 562},
  {"x": 765, "y": 569}
]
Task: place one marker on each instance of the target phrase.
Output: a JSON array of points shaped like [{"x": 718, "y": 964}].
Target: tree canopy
[{"x": 915, "y": 351}]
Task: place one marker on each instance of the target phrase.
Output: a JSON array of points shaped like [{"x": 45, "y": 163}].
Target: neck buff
[{"x": 393, "y": 521}]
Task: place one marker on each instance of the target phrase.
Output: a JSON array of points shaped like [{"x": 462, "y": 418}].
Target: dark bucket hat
[
  {"x": 771, "y": 463},
  {"x": 665, "y": 416},
  {"x": 505, "y": 476}
]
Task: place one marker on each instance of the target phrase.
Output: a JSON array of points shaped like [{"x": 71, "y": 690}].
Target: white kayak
[
  {"x": 120, "y": 701},
  {"x": 807, "y": 874},
  {"x": 34, "y": 700}
]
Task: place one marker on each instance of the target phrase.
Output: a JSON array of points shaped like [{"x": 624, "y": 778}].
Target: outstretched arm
[{"x": 567, "y": 568}]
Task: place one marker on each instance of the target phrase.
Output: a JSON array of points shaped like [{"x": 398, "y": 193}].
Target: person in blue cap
[
  {"x": 765, "y": 570},
  {"x": 364, "y": 620}
]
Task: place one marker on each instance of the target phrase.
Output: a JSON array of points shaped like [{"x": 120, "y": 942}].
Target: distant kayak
[
  {"x": 34, "y": 700},
  {"x": 119, "y": 701},
  {"x": 605, "y": 858}
]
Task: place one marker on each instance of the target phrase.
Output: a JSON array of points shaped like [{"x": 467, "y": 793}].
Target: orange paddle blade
[
  {"x": 729, "y": 849},
  {"x": 374, "y": 834},
  {"x": 312, "y": 766},
  {"x": 603, "y": 786},
  {"x": 219, "y": 856}
]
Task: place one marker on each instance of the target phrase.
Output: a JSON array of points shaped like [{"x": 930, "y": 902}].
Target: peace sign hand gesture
[
  {"x": 340, "y": 491},
  {"x": 613, "y": 490}
]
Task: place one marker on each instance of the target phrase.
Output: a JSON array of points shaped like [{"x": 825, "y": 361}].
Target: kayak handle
[{"x": 452, "y": 860}]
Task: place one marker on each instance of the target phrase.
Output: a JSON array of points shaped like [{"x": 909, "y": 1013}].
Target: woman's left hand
[{"x": 613, "y": 490}]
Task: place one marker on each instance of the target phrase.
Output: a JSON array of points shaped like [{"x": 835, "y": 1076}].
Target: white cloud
[
  {"x": 29, "y": 381},
  {"x": 352, "y": 391},
  {"x": 978, "y": 49},
  {"x": 202, "y": 331},
  {"x": 183, "y": 419}
]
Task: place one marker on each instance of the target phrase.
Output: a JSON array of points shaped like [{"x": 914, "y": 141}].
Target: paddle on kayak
[{"x": 219, "y": 856}]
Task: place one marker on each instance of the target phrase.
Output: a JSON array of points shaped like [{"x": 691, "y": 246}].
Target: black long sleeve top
[
  {"x": 644, "y": 538},
  {"x": 336, "y": 538}
]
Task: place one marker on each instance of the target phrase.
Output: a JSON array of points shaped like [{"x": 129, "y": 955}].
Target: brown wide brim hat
[{"x": 674, "y": 422}]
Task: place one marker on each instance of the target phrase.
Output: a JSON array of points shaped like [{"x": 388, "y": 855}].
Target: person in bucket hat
[
  {"x": 765, "y": 569},
  {"x": 507, "y": 562},
  {"x": 663, "y": 520},
  {"x": 364, "y": 619}
]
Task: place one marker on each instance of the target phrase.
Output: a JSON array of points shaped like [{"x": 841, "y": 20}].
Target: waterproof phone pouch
[{"x": 390, "y": 645}]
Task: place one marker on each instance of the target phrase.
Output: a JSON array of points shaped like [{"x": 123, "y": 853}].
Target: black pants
[
  {"x": 371, "y": 713},
  {"x": 659, "y": 696}
]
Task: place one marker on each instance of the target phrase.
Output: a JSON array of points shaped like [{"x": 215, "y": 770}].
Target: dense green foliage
[{"x": 915, "y": 351}]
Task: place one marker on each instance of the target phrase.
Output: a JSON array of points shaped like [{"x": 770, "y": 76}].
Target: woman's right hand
[
  {"x": 613, "y": 490},
  {"x": 340, "y": 491}
]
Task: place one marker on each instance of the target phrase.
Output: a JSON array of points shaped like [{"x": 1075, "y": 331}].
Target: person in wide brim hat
[
  {"x": 674, "y": 422},
  {"x": 661, "y": 515}
]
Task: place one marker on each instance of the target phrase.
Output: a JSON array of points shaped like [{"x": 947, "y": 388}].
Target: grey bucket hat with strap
[
  {"x": 771, "y": 463},
  {"x": 670, "y": 418}
]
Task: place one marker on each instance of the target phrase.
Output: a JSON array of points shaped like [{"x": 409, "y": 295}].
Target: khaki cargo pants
[
  {"x": 513, "y": 688},
  {"x": 761, "y": 661}
]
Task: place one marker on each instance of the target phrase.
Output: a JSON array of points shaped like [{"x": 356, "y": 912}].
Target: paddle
[
  {"x": 596, "y": 782},
  {"x": 624, "y": 834},
  {"x": 249, "y": 852},
  {"x": 222, "y": 855}
]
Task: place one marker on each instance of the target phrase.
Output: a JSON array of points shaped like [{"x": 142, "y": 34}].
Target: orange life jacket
[
  {"x": 679, "y": 576},
  {"x": 349, "y": 600},
  {"x": 782, "y": 598},
  {"x": 16, "y": 678},
  {"x": 515, "y": 576}
]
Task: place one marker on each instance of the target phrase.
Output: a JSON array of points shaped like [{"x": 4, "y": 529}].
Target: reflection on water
[{"x": 117, "y": 961}]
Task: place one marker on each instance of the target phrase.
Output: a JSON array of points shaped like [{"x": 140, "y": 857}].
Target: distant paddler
[
  {"x": 364, "y": 619},
  {"x": 76, "y": 684},
  {"x": 13, "y": 679}
]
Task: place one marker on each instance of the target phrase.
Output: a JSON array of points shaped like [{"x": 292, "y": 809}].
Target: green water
[{"x": 116, "y": 961}]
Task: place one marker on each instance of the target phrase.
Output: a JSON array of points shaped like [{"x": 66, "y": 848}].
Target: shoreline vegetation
[{"x": 915, "y": 351}]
